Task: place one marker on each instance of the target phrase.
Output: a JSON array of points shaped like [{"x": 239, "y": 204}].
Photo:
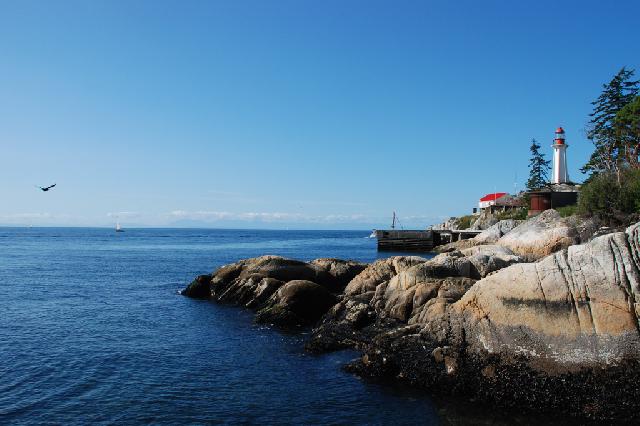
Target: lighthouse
[
  {"x": 562, "y": 192},
  {"x": 560, "y": 174}
]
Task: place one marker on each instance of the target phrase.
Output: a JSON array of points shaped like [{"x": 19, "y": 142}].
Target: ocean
[{"x": 92, "y": 330}]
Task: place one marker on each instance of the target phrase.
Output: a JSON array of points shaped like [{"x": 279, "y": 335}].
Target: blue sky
[{"x": 302, "y": 114}]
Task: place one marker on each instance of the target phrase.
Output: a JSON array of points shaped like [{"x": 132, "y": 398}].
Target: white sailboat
[{"x": 118, "y": 227}]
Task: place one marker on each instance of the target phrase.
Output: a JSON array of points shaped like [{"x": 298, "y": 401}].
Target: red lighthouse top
[{"x": 559, "y": 140}]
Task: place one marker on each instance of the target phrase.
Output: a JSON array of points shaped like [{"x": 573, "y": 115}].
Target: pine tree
[
  {"x": 627, "y": 127},
  {"x": 538, "y": 168},
  {"x": 609, "y": 152}
]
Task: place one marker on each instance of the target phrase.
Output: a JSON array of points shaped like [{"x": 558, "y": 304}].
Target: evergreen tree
[
  {"x": 610, "y": 152},
  {"x": 538, "y": 168},
  {"x": 627, "y": 127}
]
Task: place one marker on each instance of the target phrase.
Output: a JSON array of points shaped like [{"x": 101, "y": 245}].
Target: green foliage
[
  {"x": 627, "y": 126},
  {"x": 611, "y": 196},
  {"x": 538, "y": 168},
  {"x": 464, "y": 222},
  {"x": 517, "y": 214},
  {"x": 610, "y": 153},
  {"x": 567, "y": 211}
]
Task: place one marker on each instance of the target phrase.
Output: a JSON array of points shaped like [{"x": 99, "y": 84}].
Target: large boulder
[
  {"x": 486, "y": 259},
  {"x": 199, "y": 288},
  {"x": 280, "y": 268},
  {"x": 485, "y": 220},
  {"x": 473, "y": 262},
  {"x": 413, "y": 290},
  {"x": 286, "y": 292},
  {"x": 576, "y": 308},
  {"x": 252, "y": 281},
  {"x": 489, "y": 236},
  {"x": 496, "y": 231},
  {"x": 540, "y": 236},
  {"x": 297, "y": 303},
  {"x": 380, "y": 271},
  {"x": 343, "y": 271}
]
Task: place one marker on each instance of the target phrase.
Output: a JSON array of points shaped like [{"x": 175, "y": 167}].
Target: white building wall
[{"x": 560, "y": 174}]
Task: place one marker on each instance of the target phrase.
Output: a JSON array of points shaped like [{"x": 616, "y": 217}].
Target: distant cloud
[
  {"x": 268, "y": 217},
  {"x": 127, "y": 215},
  {"x": 218, "y": 218}
]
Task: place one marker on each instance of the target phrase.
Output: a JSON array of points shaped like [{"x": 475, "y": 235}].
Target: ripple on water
[{"x": 92, "y": 331}]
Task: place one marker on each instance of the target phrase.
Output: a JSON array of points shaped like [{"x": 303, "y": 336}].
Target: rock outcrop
[
  {"x": 485, "y": 220},
  {"x": 575, "y": 308},
  {"x": 527, "y": 317},
  {"x": 286, "y": 292},
  {"x": 298, "y": 302},
  {"x": 545, "y": 234},
  {"x": 492, "y": 234},
  {"x": 561, "y": 333}
]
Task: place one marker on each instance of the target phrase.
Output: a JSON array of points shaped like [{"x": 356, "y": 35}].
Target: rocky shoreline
[{"x": 539, "y": 314}]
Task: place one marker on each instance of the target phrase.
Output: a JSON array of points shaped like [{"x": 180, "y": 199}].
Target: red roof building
[
  {"x": 493, "y": 197},
  {"x": 499, "y": 201}
]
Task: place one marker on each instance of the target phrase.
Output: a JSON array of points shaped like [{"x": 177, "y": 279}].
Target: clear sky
[{"x": 302, "y": 114}]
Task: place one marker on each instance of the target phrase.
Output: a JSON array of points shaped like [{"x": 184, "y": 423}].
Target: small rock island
[{"x": 539, "y": 314}]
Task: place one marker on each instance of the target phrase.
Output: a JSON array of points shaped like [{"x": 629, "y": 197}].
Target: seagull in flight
[{"x": 46, "y": 188}]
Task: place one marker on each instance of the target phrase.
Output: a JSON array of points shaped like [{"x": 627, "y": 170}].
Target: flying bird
[{"x": 46, "y": 188}]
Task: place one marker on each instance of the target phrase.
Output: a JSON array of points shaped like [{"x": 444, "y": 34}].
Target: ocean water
[{"x": 92, "y": 330}]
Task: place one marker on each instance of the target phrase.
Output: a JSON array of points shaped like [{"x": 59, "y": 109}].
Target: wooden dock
[{"x": 419, "y": 240}]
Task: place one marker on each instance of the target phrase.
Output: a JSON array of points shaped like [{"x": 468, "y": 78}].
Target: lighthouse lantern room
[{"x": 560, "y": 173}]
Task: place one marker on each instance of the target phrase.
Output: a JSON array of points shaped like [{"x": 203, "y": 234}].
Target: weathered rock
[
  {"x": 379, "y": 272},
  {"x": 297, "y": 303},
  {"x": 485, "y": 220},
  {"x": 561, "y": 333},
  {"x": 489, "y": 236},
  {"x": 199, "y": 288},
  {"x": 264, "y": 290},
  {"x": 486, "y": 259},
  {"x": 414, "y": 294},
  {"x": 473, "y": 262},
  {"x": 540, "y": 236},
  {"x": 284, "y": 269},
  {"x": 586, "y": 228},
  {"x": 278, "y": 287},
  {"x": 456, "y": 245},
  {"x": 576, "y": 308},
  {"x": 343, "y": 271},
  {"x": 496, "y": 231}
]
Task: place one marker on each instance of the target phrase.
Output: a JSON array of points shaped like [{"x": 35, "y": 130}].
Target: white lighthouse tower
[{"x": 560, "y": 173}]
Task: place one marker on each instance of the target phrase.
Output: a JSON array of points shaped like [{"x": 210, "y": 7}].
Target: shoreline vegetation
[{"x": 540, "y": 315}]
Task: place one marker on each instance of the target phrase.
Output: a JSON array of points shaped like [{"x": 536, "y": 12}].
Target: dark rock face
[
  {"x": 406, "y": 355},
  {"x": 199, "y": 288},
  {"x": 297, "y": 303},
  {"x": 285, "y": 292},
  {"x": 341, "y": 272}
]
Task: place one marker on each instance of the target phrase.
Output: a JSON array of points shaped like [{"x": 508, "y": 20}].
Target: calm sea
[{"x": 92, "y": 331}]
